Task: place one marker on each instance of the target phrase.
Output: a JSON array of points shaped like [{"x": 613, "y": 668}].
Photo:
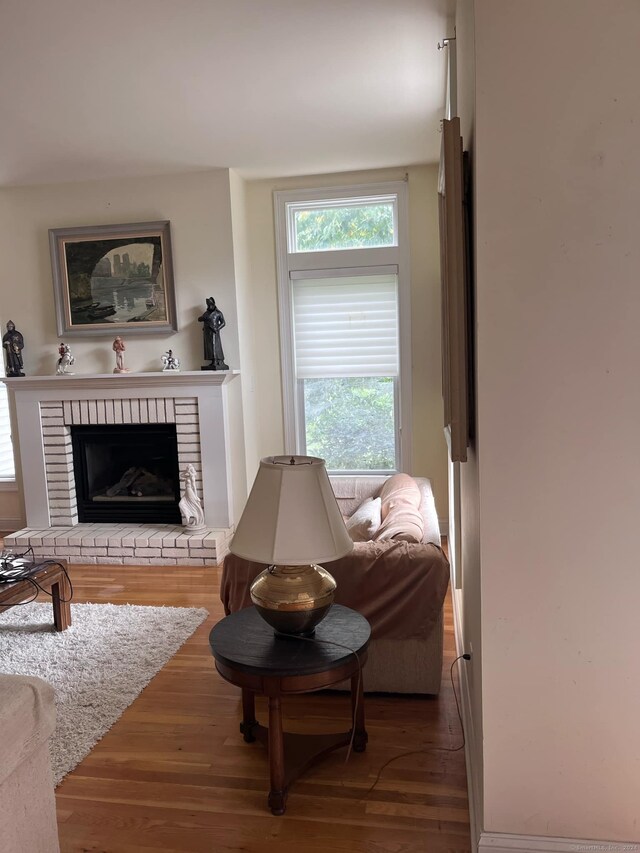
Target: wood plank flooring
[{"x": 174, "y": 775}]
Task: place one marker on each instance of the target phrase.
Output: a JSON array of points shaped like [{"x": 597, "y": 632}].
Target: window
[
  {"x": 7, "y": 468},
  {"x": 343, "y": 224},
  {"x": 344, "y": 317}
]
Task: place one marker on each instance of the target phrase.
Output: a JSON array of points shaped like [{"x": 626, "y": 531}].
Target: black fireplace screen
[{"x": 126, "y": 473}]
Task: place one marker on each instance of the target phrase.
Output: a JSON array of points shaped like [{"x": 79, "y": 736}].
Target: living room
[
  {"x": 100, "y": 172},
  {"x": 544, "y": 508}
]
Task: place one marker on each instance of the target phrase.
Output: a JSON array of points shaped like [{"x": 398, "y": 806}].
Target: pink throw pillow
[
  {"x": 400, "y": 489},
  {"x": 401, "y": 516}
]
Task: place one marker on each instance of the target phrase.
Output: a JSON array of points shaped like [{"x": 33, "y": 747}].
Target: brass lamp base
[{"x": 293, "y": 599}]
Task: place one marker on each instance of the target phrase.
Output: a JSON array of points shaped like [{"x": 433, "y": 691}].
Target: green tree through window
[
  {"x": 352, "y": 227},
  {"x": 350, "y": 422}
]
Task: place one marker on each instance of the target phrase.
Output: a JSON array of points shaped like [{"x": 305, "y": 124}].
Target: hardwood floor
[{"x": 173, "y": 774}]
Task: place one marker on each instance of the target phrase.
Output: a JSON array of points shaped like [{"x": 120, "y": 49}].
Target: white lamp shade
[{"x": 291, "y": 517}]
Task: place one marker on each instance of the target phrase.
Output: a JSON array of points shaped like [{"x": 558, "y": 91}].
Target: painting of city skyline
[{"x": 113, "y": 278}]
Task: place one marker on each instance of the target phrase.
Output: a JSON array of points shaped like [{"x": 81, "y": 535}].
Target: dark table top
[
  {"x": 28, "y": 569},
  {"x": 246, "y": 643}
]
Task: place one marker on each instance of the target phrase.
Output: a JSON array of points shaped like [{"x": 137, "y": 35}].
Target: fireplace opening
[{"x": 126, "y": 473}]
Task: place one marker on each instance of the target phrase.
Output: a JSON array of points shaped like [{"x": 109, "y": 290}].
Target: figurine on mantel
[
  {"x": 65, "y": 360},
  {"x": 190, "y": 504},
  {"x": 213, "y": 320},
  {"x": 13, "y": 344},
  {"x": 170, "y": 362},
  {"x": 119, "y": 348}
]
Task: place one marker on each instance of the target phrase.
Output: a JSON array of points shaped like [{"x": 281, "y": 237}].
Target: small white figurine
[
  {"x": 65, "y": 360},
  {"x": 170, "y": 361},
  {"x": 190, "y": 504},
  {"x": 119, "y": 348}
]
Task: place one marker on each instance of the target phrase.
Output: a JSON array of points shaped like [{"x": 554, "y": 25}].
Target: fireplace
[
  {"x": 126, "y": 473},
  {"x": 201, "y": 408}
]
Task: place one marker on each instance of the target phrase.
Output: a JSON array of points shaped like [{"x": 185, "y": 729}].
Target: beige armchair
[{"x": 27, "y": 721}]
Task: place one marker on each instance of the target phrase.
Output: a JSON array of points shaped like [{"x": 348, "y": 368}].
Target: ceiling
[{"x": 115, "y": 88}]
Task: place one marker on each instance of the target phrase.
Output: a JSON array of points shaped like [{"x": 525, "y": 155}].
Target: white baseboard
[
  {"x": 471, "y": 740},
  {"x": 502, "y": 842}
]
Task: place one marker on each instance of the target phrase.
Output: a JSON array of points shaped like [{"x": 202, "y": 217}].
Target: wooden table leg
[
  {"x": 278, "y": 794},
  {"x": 61, "y": 597},
  {"x": 360, "y": 737},
  {"x": 249, "y": 721}
]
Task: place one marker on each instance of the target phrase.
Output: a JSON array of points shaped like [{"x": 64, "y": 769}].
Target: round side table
[{"x": 248, "y": 654}]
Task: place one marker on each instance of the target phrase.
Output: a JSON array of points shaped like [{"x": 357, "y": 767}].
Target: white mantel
[
  {"x": 121, "y": 381},
  {"x": 205, "y": 404}
]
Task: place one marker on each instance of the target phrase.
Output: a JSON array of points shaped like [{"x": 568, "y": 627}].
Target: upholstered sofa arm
[{"x": 27, "y": 719}]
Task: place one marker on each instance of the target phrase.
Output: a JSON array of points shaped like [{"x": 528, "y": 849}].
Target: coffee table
[
  {"x": 248, "y": 654},
  {"x": 51, "y": 576}
]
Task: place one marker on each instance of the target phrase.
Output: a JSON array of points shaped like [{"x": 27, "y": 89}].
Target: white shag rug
[{"x": 97, "y": 667}]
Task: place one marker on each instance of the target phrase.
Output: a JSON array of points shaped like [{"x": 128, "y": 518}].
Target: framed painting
[{"x": 113, "y": 278}]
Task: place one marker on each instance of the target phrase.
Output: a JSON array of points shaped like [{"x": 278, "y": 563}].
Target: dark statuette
[
  {"x": 13, "y": 344},
  {"x": 213, "y": 321}
]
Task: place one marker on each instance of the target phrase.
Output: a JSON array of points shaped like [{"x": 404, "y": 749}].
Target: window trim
[
  {"x": 336, "y": 262},
  {"x": 10, "y": 484}
]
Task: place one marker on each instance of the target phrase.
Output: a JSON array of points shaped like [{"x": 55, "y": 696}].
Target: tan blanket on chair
[{"x": 398, "y": 586}]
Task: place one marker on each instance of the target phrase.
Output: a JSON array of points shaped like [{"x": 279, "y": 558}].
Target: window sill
[{"x": 8, "y": 486}]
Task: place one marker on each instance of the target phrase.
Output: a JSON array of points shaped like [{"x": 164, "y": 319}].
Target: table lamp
[{"x": 292, "y": 520}]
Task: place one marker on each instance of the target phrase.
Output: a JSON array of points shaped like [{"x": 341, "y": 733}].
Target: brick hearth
[{"x": 117, "y": 544}]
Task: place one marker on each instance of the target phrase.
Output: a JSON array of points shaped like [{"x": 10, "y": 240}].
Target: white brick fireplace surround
[{"x": 205, "y": 407}]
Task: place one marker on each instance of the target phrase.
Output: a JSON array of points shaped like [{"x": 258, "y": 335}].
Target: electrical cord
[
  {"x": 22, "y": 567},
  {"x": 355, "y": 654},
  {"x": 465, "y": 656},
  {"x": 431, "y": 748}
]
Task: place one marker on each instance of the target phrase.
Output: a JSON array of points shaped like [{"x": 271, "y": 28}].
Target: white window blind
[
  {"x": 7, "y": 469},
  {"x": 345, "y": 326}
]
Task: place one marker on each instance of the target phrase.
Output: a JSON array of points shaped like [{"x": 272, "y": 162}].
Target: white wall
[
  {"x": 468, "y": 598},
  {"x": 429, "y": 445},
  {"x": 558, "y": 301},
  {"x": 199, "y": 209},
  {"x": 11, "y": 511},
  {"x": 198, "y": 206},
  {"x": 255, "y": 244},
  {"x": 254, "y": 425}
]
